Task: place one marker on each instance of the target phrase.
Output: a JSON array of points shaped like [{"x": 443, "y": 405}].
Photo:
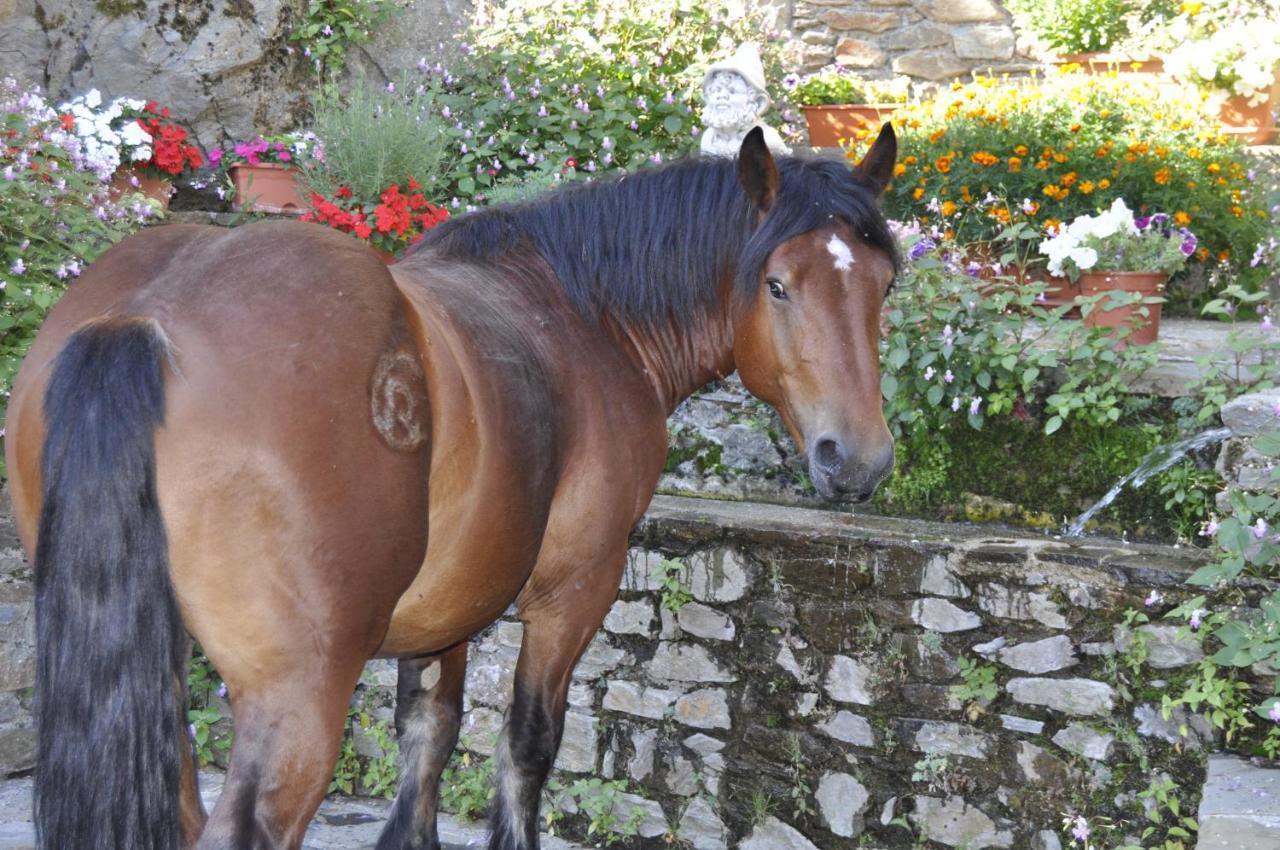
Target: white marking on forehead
[{"x": 841, "y": 251}]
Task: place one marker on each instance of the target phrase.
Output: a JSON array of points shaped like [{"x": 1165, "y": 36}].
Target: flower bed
[{"x": 1071, "y": 145}]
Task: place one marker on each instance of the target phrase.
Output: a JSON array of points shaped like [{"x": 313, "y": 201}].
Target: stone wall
[
  {"x": 803, "y": 696},
  {"x": 927, "y": 39},
  {"x": 223, "y": 66}
]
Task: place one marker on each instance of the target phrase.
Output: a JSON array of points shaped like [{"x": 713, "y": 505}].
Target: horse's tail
[{"x": 111, "y": 644}]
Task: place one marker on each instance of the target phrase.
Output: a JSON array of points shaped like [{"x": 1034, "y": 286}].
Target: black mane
[{"x": 654, "y": 246}]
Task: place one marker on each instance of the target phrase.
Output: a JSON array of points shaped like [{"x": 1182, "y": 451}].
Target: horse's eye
[{"x": 776, "y": 289}]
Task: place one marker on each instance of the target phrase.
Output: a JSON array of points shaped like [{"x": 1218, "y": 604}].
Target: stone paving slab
[
  {"x": 343, "y": 823},
  {"x": 1240, "y": 809}
]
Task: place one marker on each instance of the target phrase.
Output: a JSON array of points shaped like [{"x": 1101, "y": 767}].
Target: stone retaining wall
[{"x": 810, "y": 676}]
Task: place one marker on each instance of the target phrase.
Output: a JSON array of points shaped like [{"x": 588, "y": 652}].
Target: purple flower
[
  {"x": 1189, "y": 242},
  {"x": 929, "y": 373},
  {"x": 975, "y": 406},
  {"x": 18, "y": 266},
  {"x": 790, "y": 81},
  {"x": 641, "y": 103},
  {"x": 391, "y": 87},
  {"x": 191, "y": 729},
  {"x": 955, "y": 404},
  {"x": 1141, "y": 222},
  {"x": 1259, "y": 529},
  {"x": 446, "y": 112},
  {"x": 1080, "y": 831},
  {"x": 1274, "y": 713},
  {"x": 920, "y": 248},
  {"x": 328, "y": 30},
  {"x": 947, "y": 377},
  {"x": 1152, "y": 599},
  {"x": 1197, "y": 619},
  {"x": 947, "y": 333},
  {"x": 222, "y": 690},
  {"x": 1210, "y": 528}
]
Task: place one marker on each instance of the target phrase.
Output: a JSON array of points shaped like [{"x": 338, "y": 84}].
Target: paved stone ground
[
  {"x": 343, "y": 823},
  {"x": 1240, "y": 809}
]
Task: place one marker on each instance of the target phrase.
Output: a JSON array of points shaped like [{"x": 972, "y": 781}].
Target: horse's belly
[{"x": 481, "y": 548}]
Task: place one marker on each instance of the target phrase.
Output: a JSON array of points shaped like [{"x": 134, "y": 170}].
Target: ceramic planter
[
  {"x": 1148, "y": 284},
  {"x": 267, "y": 187},
  {"x": 829, "y": 124},
  {"x": 129, "y": 179}
]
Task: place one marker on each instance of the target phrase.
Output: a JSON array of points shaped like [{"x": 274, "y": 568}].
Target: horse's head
[{"x": 807, "y": 329}]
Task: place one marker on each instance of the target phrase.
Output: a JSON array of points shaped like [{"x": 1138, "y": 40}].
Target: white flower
[{"x": 1084, "y": 258}]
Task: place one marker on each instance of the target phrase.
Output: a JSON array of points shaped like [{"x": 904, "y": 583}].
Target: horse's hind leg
[
  {"x": 562, "y": 609},
  {"x": 193, "y": 814},
  {"x": 288, "y": 733},
  {"x": 428, "y": 716}
]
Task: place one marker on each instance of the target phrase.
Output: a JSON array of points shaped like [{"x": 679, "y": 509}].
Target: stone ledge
[{"x": 1240, "y": 809}]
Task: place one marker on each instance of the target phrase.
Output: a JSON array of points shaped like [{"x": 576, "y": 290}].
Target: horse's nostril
[{"x": 827, "y": 453}]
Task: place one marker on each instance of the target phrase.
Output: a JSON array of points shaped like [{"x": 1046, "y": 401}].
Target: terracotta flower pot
[
  {"x": 829, "y": 124},
  {"x": 1102, "y": 63},
  {"x": 266, "y": 187},
  {"x": 128, "y": 180},
  {"x": 1253, "y": 125},
  {"x": 386, "y": 256},
  {"x": 1148, "y": 284}
]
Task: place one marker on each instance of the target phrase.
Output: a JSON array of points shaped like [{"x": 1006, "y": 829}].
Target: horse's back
[{"x": 291, "y": 464}]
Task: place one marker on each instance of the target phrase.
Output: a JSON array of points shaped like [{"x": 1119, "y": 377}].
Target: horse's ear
[
  {"x": 877, "y": 166},
  {"x": 757, "y": 172}
]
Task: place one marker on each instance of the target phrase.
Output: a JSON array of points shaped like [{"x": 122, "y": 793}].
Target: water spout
[{"x": 1157, "y": 460}]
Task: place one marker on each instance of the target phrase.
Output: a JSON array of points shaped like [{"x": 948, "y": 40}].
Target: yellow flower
[
  {"x": 918, "y": 193},
  {"x": 899, "y": 170},
  {"x": 1021, "y": 150},
  {"x": 1195, "y": 153},
  {"x": 948, "y": 208},
  {"x": 1213, "y": 168},
  {"x": 1051, "y": 225},
  {"x": 936, "y": 136},
  {"x": 1237, "y": 211},
  {"x": 1086, "y": 187},
  {"x": 1181, "y": 219},
  {"x": 1015, "y": 164}
]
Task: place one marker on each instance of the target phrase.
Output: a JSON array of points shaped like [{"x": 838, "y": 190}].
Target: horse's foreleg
[
  {"x": 288, "y": 733},
  {"x": 561, "y": 616},
  {"x": 428, "y": 715}
]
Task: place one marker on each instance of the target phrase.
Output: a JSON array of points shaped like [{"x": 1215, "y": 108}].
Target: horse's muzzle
[{"x": 841, "y": 474}]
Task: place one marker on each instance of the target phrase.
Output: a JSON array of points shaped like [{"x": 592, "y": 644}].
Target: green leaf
[
  {"x": 673, "y": 124},
  {"x": 1268, "y": 444},
  {"x": 1054, "y": 423},
  {"x": 888, "y": 386},
  {"x": 934, "y": 395}
]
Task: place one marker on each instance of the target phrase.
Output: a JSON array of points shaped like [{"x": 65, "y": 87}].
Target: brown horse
[{"x": 244, "y": 435}]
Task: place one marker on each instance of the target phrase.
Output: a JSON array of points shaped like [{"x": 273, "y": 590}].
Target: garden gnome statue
[{"x": 734, "y": 98}]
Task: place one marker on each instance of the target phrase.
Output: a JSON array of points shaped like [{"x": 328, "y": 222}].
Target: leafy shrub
[
  {"x": 332, "y": 26},
  {"x": 56, "y": 216},
  {"x": 1075, "y": 26},
  {"x": 838, "y": 84},
  {"x": 584, "y": 87},
  {"x": 1070, "y": 145}
]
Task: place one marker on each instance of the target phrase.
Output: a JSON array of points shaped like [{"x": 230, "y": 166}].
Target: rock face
[{"x": 224, "y": 68}]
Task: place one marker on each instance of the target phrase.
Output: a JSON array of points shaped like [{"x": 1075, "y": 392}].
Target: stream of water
[{"x": 1158, "y": 460}]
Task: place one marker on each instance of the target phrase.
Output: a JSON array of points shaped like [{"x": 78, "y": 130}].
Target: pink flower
[
  {"x": 1197, "y": 619},
  {"x": 1210, "y": 528},
  {"x": 1081, "y": 829},
  {"x": 1259, "y": 529},
  {"x": 1152, "y": 599},
  {"x": 215, "y": 157},
  {"x": 1274, "y": 713},
  {"x": 948, "y": 377}
]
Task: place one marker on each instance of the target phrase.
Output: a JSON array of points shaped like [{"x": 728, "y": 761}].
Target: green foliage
[
  {"x": 466, "y": 785},
  {"x": 675, "y": 593},
  {"x": 1075, "y": 26},
  {"x": 837, "y": 84},
  {"x": 1164, "y": 813},
  {"x": 601, "y": 803},
  {"x": 331, "y": 27},
  {"x": 207, "y": 744},
  {"x": 584, "y": 87},
  {"x": 960, "y": 347},
  {"x": 800, "y": 791},
  {"x": 372, "y": 138},
  {"x": 978, "y": 688},
  {"x": 55, "y": 218}
]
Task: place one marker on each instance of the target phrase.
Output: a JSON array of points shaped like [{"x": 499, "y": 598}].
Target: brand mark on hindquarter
[{"x": 399, "y": 401}]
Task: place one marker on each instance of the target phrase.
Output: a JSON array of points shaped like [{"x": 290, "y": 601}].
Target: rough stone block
[
  {"x": 1240, "y": 806},
  {"x": 600, "y": 658},
  {"x": 719, "y": 576},
  {"x": 859, "y": 53},
  {"x": 637, "y": 699},
  {"x": 1071, "y": 696},
  {"x": 480, "y": 728},
  {"x": 1151, "y": 724},
  {"x": 1041, "y": 656},
  {"x": 850, "y": 680},
  {"x": 939, "y": 615},
  {"x": 955, "y": 823},
  {"x": 949, "y": 739},
  {"x": 643, "y": 571},
  {"x": 701, "y": 828},
  {"x": 652, "y": 822},
  {"x": 939, "y": 580},
  {"x": 986, "y": 41},
  {"x": 842, "y": 800},
  {"x": 703, "y": 745},
  {"x": 705, "y": 709},
  {"x": 681, "y": 779},
  {"x": 644, "y": 742},
  {"x": 916, "y": 37},
  {"x": 579, "y": 746},
  {"x": 1015, "y": 604},
  {"x": 1165, "y": 649},
  {"x": 850, "y": 728},
  {"x": 1021, "y": 724},
  {"x": 963, "y": 11},
  {"x": 681, "y": 662},
  {"x": 630, "y": 618},
  {"x": 701, "y": 621},
  {"x": 857, "y": 19},
  {"x": 17, "y": 735},
  {"x": 1085, "y": 741},
  {"x": 772, "y": 834},
  {"x": 1251, "y": 414}
]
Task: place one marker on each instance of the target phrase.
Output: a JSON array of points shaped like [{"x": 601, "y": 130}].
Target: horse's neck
[{"x": 678, "y": 358}]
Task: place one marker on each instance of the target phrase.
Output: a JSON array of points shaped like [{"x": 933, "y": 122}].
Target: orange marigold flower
[
  {"x": 1191, "y": 184},
  {"x": 984, "y": 158},
  {"x": 1085, "y": 187},
  {"x": 1015, "y": 164},
  {"x": 1162, "y": 176},
  {"x": 1069, "y": 178},
  {"x": 1237, "y": 211},
  {"x": 1042, "y": 164},
  {"x": 1020, "y": 150},
  {"x": 1181, "y": 219},
  {"x": 936, "y": 136},
  {"x": 1202, "y": 254},
  {"x": 899, "y": 170},
  {"x": 1104, "y": 183},
  {"x": 918, "y": 193},
  {"x": 1162, "y": 152},
  {"x": 1130, "y": 157},
  {"x": 1213, "y": 168},
  {"x": 910, "y": 160},
  {"x": 943, "y": 164},
  {"x": 1224, "y": 255},
  {"x": 1051, "y": 225},
  {"x": 1075, "y": 128},
  {"x": 948, "y": 208}
]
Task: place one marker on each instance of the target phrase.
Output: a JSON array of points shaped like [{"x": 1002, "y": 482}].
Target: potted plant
[
  {"x": 1237, "y": 63},
  {"x": 1121, "y": 264},
  {"x": 170, "y": 153},
  {"x": 837, "y": 103},
  {"x": 1079, "y": 31},
  {"x": 378, "y": 158},
  {"x": 116, "y": 142},
  {"x": 262, "y": 173}
]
